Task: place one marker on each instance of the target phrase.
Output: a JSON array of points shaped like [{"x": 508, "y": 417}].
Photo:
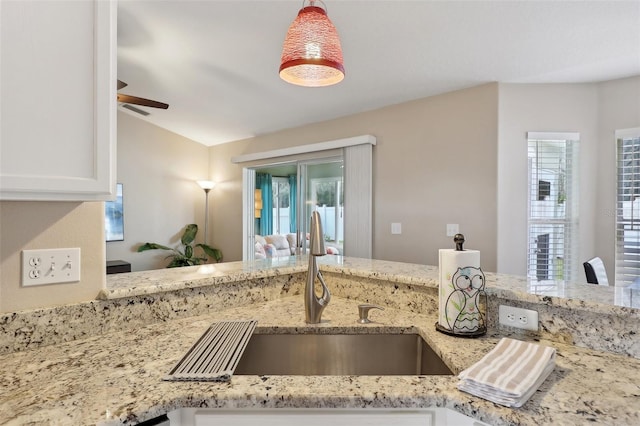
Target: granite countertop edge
[{"x": 576, "y": 296}]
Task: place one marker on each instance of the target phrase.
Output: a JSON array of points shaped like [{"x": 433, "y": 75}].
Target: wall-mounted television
[{"x": 114, "y": 217}]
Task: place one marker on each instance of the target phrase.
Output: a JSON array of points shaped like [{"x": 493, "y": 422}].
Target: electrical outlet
[
  {"x": 517, "y": 317},
  {"x": 50, "y": 266}
]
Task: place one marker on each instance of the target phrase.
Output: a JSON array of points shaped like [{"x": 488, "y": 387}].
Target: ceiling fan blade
[
  {"x": 121, "y": 84},
  {"x": 141, "y": 101},
  {"x": 134, "y": 109}
]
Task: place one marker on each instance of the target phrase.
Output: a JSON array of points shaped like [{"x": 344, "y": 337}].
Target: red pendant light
[{"x": 311, "y": 55}]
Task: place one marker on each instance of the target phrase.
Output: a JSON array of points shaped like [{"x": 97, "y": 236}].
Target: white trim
[
  {"x": 248, "y": 218},
  {"x": 105, "y": 68},
  {"x": 554, "y": 136},
  {"x": 305, "y": 149},
  {"x": 634, "y": 132}
]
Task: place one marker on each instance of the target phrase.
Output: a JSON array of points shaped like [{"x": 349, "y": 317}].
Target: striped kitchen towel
[{"x": 510, "y": 373}]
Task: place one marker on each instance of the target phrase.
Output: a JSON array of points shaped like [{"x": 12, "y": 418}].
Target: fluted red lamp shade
[{"x": 311, "y": 55}]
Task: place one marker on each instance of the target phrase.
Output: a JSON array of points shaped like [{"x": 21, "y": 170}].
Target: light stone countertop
[
  {"x": 116, "y": 378},
  {"x": 571, "y": 295}
]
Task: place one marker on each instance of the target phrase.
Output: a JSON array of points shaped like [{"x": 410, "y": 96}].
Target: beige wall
[
  {"x": 42, "y": 225},
  {"x": 594, "y": 110},
  {"x": 542, "y": 108},
  {"x": 619, "y": 106},
  {"x": 226, "y": 199},
  {"x": 158, "y": 170},
  {"x": 435, "y": 163}
]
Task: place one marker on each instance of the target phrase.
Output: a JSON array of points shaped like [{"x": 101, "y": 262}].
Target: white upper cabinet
[{"x": 57, "y": 100}]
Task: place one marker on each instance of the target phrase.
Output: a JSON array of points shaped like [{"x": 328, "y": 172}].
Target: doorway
[
  {"x": 285, "y": 195},
  {"x": 355, "y": 205}
]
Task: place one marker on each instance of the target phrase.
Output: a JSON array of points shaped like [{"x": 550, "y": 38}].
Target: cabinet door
[{"x": 57, "y": 100}]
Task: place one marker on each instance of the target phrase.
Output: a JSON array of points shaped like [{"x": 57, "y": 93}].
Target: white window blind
[
  {"x": 552, "y": 216},
  {"x": 628, "y": 206}
]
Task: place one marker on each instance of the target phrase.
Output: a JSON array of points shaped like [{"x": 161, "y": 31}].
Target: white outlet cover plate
[
  {"x": 511, "y": 316},
  {"x": 396, "y": 228},
  {"x": 50, "y": 266}
]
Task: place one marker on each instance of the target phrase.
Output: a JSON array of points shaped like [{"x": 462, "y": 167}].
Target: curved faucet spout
[
  {"x": 313, "y": 304},
  {"x": 326, "y": 295}
]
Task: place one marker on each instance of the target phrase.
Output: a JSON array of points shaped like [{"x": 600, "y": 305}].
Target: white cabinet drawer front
[{"x": 432, "y": 416}]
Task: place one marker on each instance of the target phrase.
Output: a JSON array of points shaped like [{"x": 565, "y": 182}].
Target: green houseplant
[{"x": 184, "y": 256}]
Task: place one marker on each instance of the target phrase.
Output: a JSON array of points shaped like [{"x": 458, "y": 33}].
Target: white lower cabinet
[{"x": 435, "y": 416}]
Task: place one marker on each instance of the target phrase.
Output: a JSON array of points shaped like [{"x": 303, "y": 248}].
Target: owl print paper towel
[{"x": 462, "y": 283}]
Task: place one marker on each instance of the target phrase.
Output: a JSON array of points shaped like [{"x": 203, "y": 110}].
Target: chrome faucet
[{"x": 314, "y": 305}]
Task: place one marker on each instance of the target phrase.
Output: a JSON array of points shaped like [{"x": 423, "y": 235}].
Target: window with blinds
[
  {"x": 552, "y": 215},
  {"x": 628, "y": 206}
]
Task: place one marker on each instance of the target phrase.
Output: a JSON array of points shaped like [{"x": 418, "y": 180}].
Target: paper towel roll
[{"x": 461, "y": 281}]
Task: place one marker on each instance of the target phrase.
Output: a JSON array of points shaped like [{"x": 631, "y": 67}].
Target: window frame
[
  {"x": 564, "y": 267},
  {"x": 625, "y": 270}
]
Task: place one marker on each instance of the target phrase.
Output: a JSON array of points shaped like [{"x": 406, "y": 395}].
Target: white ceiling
[{"x": 216, "y": 62}]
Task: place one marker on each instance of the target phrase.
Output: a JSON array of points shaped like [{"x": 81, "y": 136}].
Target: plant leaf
[
  {"x": 189, "y": 234},
  {"x": 177, "y": 262},
  {"x": 211, "y": 252},
  {"x": 179, "y": 258},
  {"x": 176, "y": 255},
  {"x": 152, "y": 246}
]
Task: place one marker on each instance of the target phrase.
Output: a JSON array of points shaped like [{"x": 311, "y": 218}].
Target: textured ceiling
[{"x": 216, "y": 62}]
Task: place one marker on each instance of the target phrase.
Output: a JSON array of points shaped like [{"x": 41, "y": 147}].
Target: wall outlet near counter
[
  {"x": 50, "y": 266},
  {"x": 526, "y": 319}
]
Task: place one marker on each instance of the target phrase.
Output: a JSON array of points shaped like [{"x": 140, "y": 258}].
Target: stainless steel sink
[{"x": 339, "y": 354}]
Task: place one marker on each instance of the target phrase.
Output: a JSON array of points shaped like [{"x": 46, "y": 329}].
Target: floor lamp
[{"x": 207, "y": 185}]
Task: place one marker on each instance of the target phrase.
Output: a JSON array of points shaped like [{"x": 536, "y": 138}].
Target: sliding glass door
[
  {"x": 321, "y": 188},
  {"x": 338, "y": 186},
  {"x": 279, "y": 199}
]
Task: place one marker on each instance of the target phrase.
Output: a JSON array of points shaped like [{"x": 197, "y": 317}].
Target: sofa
[
  {"x": 276, "y": 245},
  {"x": 281, "y": 245}
]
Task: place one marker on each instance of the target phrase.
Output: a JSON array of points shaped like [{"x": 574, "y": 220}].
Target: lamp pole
[
  {"x": 206, "y": 212},
  {"x": 207, "y": 185}
]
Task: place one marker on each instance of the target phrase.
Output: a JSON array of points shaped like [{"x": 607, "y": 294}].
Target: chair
[{"x": 595, "y": 271}]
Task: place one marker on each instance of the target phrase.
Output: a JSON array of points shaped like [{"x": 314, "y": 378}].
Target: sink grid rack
[{"x": 215, "y": 354}]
